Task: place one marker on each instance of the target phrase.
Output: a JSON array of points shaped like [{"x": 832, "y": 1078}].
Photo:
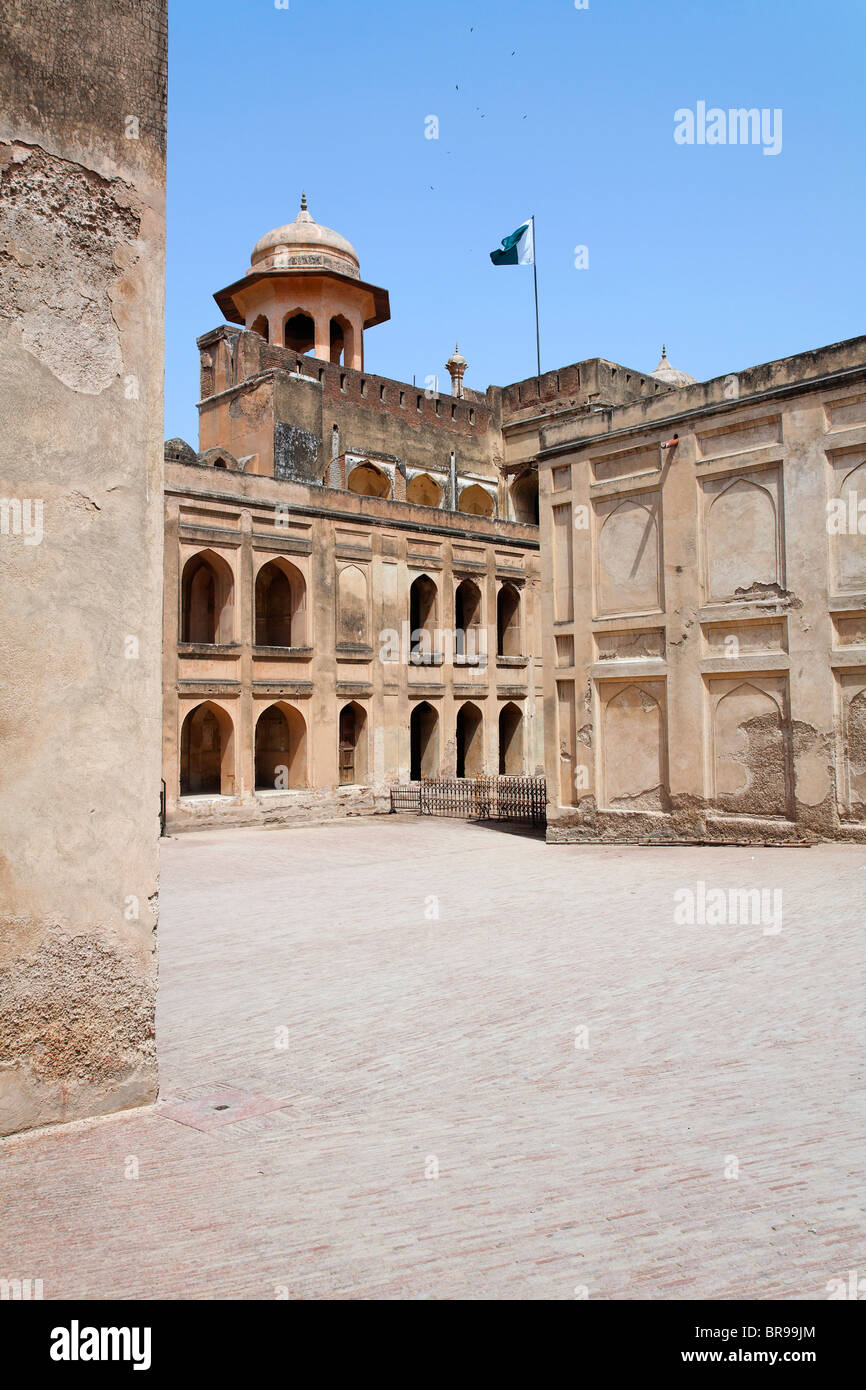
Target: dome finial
[
  {"x": 456, "y": 367},
  {"x": 667, "y": 373},
  {"x": 303, "y": 201}
]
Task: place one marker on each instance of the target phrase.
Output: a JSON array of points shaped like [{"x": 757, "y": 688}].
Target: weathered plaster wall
[
  {"x": 82, "y": 153},
  {"x": 704, "y": 621}
]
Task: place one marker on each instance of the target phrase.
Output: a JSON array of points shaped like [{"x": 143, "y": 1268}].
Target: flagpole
[{"x": 535, "y": 285}]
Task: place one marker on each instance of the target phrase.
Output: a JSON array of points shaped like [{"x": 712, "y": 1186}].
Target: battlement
[
  {"x": 581, "y": 385},
  {"x": 230, "y": 356}
]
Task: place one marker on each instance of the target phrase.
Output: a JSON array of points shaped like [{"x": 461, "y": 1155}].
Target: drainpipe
[{"x": 453, "y": 482}]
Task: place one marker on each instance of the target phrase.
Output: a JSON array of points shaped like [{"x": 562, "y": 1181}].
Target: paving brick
[{"x": 410, "y": 1039}]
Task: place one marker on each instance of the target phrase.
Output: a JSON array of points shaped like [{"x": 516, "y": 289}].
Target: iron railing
[{"x": 475, "y": 798}]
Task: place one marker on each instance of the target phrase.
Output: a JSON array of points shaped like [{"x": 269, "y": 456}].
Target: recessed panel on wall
[
  {"x": 352, "y": 605},
  {"x": 849, "y": 629},
  {"x": 631, "y": 644},
  {"x": 626, "y": 463},
  {"x": 851, "y": 759},
  {"x": 739, "y": 438},
  {"x": 742, "y": 535},
  {"x": 750, "y": 753},
  {"x": 846, "y": 514},
  {"x": 841, "y": 414},
  {"x": 563, "y": 569},
  {"x": 734, "y": 639},
  {"x": 567, "y": 738},
  {"x": 628, "y": 555},
  {"x": 633, "y": 748}
]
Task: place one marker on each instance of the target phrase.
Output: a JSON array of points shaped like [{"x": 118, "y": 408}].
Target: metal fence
[{"x": 475, "y": 798}]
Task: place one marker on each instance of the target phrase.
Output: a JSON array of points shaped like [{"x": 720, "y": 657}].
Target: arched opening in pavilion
[
  {"x": 281, "y": 749},
  {"x": 207, "y": 598},
  {"x": 280, "y": 605},
  {"x": 423, "y": 742},
  {"x": 207, "y": 752},
  {"x": 470, "y": 741}
]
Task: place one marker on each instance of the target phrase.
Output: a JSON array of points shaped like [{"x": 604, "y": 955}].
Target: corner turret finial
[
  {"x": 664, "y": 352},
  {"x": 303, "y": 202},
  {"x": 456, "y": 366}
]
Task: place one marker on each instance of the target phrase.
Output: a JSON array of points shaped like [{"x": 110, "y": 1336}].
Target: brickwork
[{"x": 618, "y": 1107}]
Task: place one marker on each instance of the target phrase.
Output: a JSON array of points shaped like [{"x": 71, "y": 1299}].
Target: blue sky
[{"x": 730, "y": 256}]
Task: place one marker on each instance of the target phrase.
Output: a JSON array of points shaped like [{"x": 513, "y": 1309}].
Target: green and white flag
[{"x": 519, "y": 248}]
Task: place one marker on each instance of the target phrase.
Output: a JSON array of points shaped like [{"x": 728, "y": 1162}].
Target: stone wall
[
  {"x": 250, "y": 387},
  {"x": 348, "y": 562},
  {"x": 82, "y": 178},
  {"x": 704, "y": 561}
]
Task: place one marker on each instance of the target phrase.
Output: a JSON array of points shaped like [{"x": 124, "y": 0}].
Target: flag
[{"x": 519, "y": 248}]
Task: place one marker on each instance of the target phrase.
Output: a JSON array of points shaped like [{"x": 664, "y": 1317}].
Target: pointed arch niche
[
  {"x": 633, "y": 750},
  {"x": 751, "y": 754},
  {"x": 742, "y": 534}
]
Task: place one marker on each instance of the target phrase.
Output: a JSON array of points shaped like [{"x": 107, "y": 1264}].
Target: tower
[
  {"x": 456, "y": 366},
  {"x": 304, "y": 291}
]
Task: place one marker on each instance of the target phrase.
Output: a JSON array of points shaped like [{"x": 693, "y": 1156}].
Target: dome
[
  {"x": 667, "y": 373},
  {"x": 178, "y": 451},
  {"x": 305, "y": 245}
]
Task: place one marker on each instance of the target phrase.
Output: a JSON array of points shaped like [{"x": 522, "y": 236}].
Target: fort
[
  {"x": 639, "y": 553},
  {"x": 648, "y": 606}
]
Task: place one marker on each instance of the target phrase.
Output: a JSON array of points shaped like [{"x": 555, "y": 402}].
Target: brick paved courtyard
[{"x": 582, "y": 1070}]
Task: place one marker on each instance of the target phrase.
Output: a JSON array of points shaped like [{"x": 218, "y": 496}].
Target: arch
[
  {"x": 750, "y": 752},
  {"x": 848, "y": 543},
  {"x": 508, "y": 621},
  {"x": 511, "y": 761},
  {"x": 299, "y": 331},
  {"x": 423, "y": 616},
  {"x": 470, "y": 741},
  {"x": 219, "y": 458},
  {"x": 423, "y": 742},
  {"x": 633, "y": 751},
  {"x": 352, "y": 751},
  {"x": 207, "y": 599},
  {"x": 524, "y": 498},
  {"x": 342, "y": 340},
  {"x": 476, "y": 501},
  {"x": 260, "y": 326},
  {"x": 628, "y": 558},
  {"x": 352, "y": 606},
  {"x": 467, "y": 618},
  {"x": 742, "y": 545},
  {"x": 280, "y": 605},
  {"x": 424, "y": 491},
  {"x": 281, "y": 748},
  {"x": 207, "y": 752},
  {"x": 368, "y": 481},
  {"x": 849, "y": 477}
]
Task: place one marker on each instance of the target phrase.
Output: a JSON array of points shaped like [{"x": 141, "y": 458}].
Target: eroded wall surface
[
  {"x": 82, "y": 179},
  {"x": 704, "y": 597}
]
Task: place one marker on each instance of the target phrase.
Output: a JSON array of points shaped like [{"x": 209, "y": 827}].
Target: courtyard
[{"x": 419, "y": 1058}]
